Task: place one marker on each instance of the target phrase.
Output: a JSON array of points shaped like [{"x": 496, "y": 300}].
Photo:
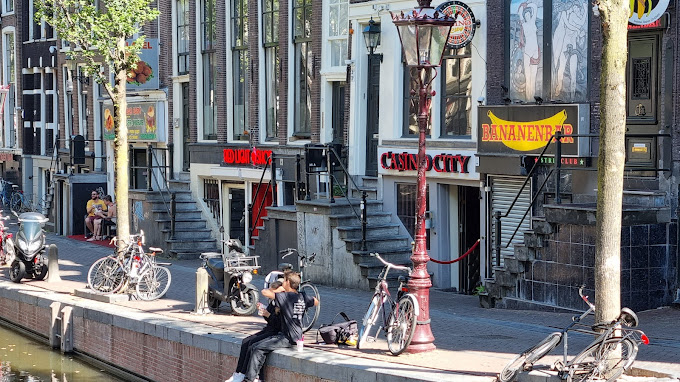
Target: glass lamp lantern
[{"x": 423, "y": 34}]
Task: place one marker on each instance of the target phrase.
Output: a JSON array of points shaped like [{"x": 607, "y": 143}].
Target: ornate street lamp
[
  {"x": 372, "y": 36},
  {"x": 423, "y": 34}
]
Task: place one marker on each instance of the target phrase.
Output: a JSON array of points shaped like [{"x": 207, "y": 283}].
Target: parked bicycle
[
  {"x": 7, "y": 252},
  {"x": 398, "y": 316},
  {"x": 131, "y": 267},
  {"x": 306, "y": 286},
  {"x": 6, "y": 192},
  {"x": 611, "y": 353}
]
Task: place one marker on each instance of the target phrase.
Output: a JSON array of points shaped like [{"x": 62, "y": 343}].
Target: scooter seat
[
  {"x": 285, "y": 266},
  {"x": 216, "y": 265}
]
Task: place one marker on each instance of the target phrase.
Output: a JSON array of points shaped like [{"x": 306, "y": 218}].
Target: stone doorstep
[{"x": 312, "y": 362}]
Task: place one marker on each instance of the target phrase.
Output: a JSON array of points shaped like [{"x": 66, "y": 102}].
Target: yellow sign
[{"x": 526, "y": 136}]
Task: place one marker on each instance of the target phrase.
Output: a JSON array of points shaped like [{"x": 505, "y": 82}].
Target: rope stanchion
[{"x": 469, "y": 251}]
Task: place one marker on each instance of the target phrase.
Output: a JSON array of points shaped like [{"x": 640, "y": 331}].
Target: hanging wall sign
[
  {"x": 643, "y": 12},
  {"x": 463, "y": 30},
  {"x": 527, "y": 129}
]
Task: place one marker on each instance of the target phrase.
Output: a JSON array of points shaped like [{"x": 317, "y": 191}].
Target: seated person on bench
[{"x": 107, "y": 217}]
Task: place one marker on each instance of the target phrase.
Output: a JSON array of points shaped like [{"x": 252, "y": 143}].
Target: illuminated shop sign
[
  {"x": 246, "y": 156},
  {"x": 439, "y": 163},
  {"x": 527, "y": 129},
  {"x": 530, "y": 160}
]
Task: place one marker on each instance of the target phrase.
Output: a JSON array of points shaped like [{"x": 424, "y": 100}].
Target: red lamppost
[{"x": 423, "y": 34}]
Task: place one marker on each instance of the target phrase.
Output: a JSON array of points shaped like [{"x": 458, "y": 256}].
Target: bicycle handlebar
[
  {"x": 288, "y": 252},
  {"x": 390, "y": 265},
  {"x": 585, "y": 298}
]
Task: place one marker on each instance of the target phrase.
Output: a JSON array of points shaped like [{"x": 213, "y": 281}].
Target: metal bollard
[
  {"x": 201, "y": 292},
  {"x": 53, "y": 264}
]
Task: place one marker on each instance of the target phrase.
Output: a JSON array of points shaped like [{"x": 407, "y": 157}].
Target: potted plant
[{"x": 339, "y": 191}]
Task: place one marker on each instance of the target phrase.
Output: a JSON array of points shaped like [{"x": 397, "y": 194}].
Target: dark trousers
[
  {"x": 248, "y": 343},
  {"x": 259, "y": 351}
]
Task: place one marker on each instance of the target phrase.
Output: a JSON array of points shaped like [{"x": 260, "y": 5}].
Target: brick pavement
[{"x": 471, "y": 341}]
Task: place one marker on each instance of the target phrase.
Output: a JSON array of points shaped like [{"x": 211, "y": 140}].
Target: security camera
[
  {"x": 53, "y": 49},
  {"x": 480, "y": 100}
]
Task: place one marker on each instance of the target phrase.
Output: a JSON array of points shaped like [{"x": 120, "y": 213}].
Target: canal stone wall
[{"x": 164, "y": 348}]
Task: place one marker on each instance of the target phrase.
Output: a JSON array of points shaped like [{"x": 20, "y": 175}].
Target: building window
[
  {"x": 239, "y": 46},
  {"x": 406, "y": 207},
  {"x": 456, "y": 85},
  {"x": 183, "y": 37},
  {"x": 82, "y": 106},
  {"x": 209, "y": 70},
  {"x": 302, "y": 38},
  {"x": 410, "y": 108},
  {"x": 272, "y": 65},
  {"x": 8, "y": 6},
  {"x": 8, "y": 78},
  {"x": 338, "y": 30},
  {"x": 567, "y": 59}
]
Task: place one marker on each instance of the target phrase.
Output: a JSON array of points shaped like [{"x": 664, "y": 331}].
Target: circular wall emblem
[
  {"x": 643, "y": 12},
  {"x": 463, "y": 30}
]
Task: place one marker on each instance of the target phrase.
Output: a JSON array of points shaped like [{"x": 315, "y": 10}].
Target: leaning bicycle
[
  {"x": 611, "y": 353},
  {"x": 306, "y": 286},
  {"x": 131, "y": 267},
  {"x": 398, "y": 316}
]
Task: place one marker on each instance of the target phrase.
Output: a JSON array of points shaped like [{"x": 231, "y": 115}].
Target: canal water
[{"x": 23, "y": 359}]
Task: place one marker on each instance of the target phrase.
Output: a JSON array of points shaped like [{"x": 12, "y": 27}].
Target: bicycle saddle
[
  {"x": 285, "y": 266},
  {"x": 628, "y": 318}
]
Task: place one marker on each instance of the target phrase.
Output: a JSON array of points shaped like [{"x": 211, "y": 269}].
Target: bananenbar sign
[{"x": 526, "y": 129}]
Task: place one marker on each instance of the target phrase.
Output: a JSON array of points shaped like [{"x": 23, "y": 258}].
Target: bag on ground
[{"x": 338, "y": 333}]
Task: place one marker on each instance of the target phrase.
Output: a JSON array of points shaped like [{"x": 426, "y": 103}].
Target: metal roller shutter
[{"x": 503, "y": 192}]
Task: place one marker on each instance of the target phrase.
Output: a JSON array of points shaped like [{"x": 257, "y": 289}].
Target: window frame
[
  {"x": 461, "y": 54},
  {"x": 302, "y": 42},
  {"x": 240, "y": 72},
  {"x": 209, "y": 75},
  {"x": 183, "y": 36},
  {"x": 272, "y": 78},
  {"x": 342, "y": 32}
]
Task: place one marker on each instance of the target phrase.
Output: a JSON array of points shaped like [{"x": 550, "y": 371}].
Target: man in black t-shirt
[
  {"x": 292, "y": 305},
  {"x": 273, "y": 327}
]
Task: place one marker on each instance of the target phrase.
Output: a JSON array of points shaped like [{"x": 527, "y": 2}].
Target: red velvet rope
[{"x": 460, "y": 258}]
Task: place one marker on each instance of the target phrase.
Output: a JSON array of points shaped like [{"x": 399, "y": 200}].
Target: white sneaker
[{"x": 236, "y": 377}]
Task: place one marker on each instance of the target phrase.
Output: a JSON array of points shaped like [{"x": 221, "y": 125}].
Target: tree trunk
[
  {"x": 121, "y": 153},
  {"x": 614, "y": 19}
]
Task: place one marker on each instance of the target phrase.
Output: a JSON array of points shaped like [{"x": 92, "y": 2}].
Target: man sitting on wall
[{"x": 94, "y": 205}]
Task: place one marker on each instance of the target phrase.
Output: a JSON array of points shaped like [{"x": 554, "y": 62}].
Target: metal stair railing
[
  {"x": 557, "y": 168},
  {"x": 170, "y": 203},
  {"x": 362, "y": 215}
]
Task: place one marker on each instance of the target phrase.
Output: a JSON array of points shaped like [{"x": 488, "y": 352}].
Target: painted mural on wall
[
  {"x": 526, "y": 52},
  {"x": 569, "y": 50}
]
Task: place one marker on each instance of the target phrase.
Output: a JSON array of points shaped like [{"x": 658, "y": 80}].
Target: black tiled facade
[{"x": 567, "y": 260}]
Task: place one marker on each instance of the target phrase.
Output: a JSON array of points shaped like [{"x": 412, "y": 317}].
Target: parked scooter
[
  {"x": 231, "y": 274},
  {"x": 6, "y": 243},
  {"x": 29, "y": 246}
]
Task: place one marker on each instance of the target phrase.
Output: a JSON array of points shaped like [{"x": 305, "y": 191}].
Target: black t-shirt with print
[{"x": 293, "y": 306}]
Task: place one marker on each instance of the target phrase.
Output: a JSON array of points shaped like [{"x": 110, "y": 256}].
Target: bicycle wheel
[
  {"x": 15, "y": 203},
  {"x": 369, "y": 320},
  {"x": 312, "y": 313},
  {"x": 402, "y": 325},
  {"x": 604, "y": 361},
  {"x": 106, "y": 275},
  {"x": 154, "y": 283},
  {"x": 529, "y": 357}
]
